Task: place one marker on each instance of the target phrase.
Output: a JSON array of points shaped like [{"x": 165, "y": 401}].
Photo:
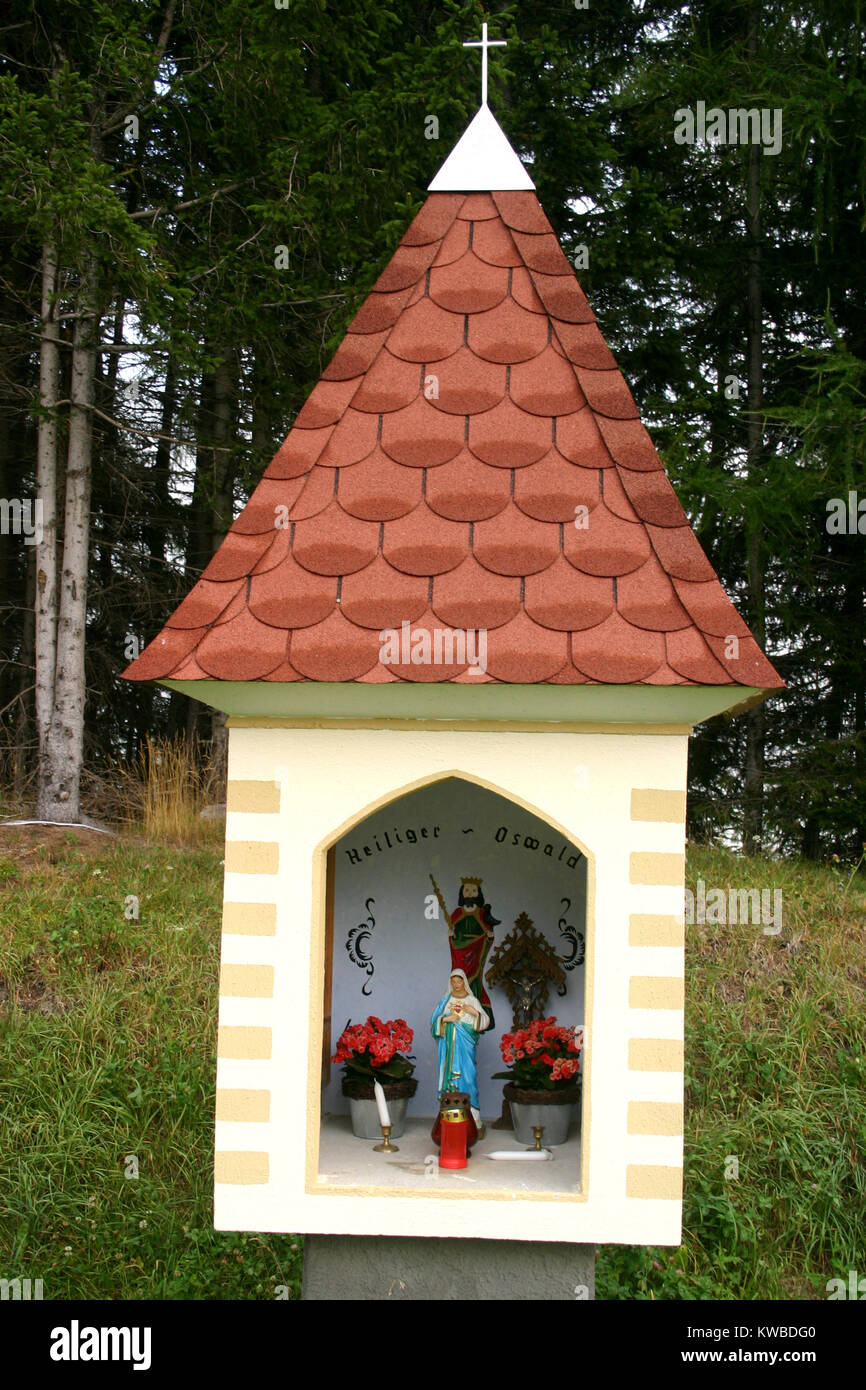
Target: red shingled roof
[{"x": 434, "y": 476}]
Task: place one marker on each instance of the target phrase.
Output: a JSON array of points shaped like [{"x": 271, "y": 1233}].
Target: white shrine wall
[{"x": 297, "y": 790}]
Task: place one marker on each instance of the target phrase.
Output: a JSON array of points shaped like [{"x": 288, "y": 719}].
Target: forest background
[{"x": 195, "y": 199}]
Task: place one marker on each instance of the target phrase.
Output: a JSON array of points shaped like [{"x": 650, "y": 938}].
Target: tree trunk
[
  {"x": 61, "y": 755},
  {"x": 46, "y": 495},
  {"x": 22, "y": 762}
]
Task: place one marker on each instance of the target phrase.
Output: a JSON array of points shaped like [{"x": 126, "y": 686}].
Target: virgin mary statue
[{"x": 457, "y": 1021}]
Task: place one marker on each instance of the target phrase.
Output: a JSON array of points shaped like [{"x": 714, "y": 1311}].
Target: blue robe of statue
[{"x": 457, "y": 1043}]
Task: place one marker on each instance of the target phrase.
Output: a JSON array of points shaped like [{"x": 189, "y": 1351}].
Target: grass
[
  {"x": 107, "y": 1060},
  {"x": 165, "y": 789},
  {"x": 775, "y": 1093},
  {"x": 107, "y": 1049}
]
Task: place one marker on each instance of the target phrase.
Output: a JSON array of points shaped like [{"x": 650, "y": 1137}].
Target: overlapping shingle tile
[
  {"x": 434, "y": 219},
  {"x": 168, "y": 650},
  {"x": 607, "y": 546},
  {"x": 524, "y": 652},
  {"x": 474, "y": 597},
  {"x": 492, "y": 241},
  {"x": 617, "y": 652},
  {"x": 298, "y": 452},
  {"x": 455, "y": 243},
  {"x": 334, "y": 650},
  {"x": 289, "y": 596},
  {"x": 579, "y": 438},
  {"x": 390, "y": 384},
  {"x": 354, "y": 355},
  {"x": 568, "y": 599},
  {"x": 465, "y": 489},
  {"x": 514, "y": 543},
  {"x": 425, "y": 651},
  {"x": 237, "y": 555},
  {"x": 646, "y": 599},
  {"x": 315, "y": 495},
  {"x": 465, "y": 384},
  {"x": 508, "y": 437},
  {"x": 554, "y": 489},
  {"x": 508, "y": 333},
  {"x": 333, "y": 542},
  {"x": 425, "y": 332},
  {"x": 405, "y": 267},
  {"x": 471, "y": 461},
  {"x": 689, "y": 656},
  {"x": 381, "y": 492},
  {"x": 205, "y": 603},
  {"x": 378, "y": 312},
  {"x": 425, "y": 543},
  {"x": 477, "y": 207},
  {"x": 381, "y": 596},
  {"x": 545, "y": 385},
  {"x": 244, "y": 649},
  {"x": 522, "y": 212},
  {"x": 420, "y": 436},
  {"x": 351, "y": 440},
  {"x": 468, "y": 285},
  {"x": 326, "y": 403}
]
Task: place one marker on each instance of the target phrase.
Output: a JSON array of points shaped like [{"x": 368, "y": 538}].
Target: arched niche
[{"x": 386, "y": 941}]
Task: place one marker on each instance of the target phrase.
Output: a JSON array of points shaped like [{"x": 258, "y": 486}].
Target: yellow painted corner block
[
  {"x": 656, "y": 992},
  {"x": 648, "y": 1180},
  {"x": 241, "y": 1166},
  {"x": 252, "y": 796},
  {"x": 252, "y": 856},
  {"x": 653, "y": 867},
  {"x": 247, "y": 981},
  {"x": 250, "y": 919},
  {"x": 655, "y": 1117},
  {"x": 655, "y": 929},
  {"x": 249, "y": 1107},
  {"x": 245, "y": 1043},
  {"x": 653, "y": 804},
  {"x": 655, "y": 1054}
]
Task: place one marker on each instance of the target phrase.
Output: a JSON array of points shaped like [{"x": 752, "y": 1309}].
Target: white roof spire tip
[{"x": 482, "y": 161}]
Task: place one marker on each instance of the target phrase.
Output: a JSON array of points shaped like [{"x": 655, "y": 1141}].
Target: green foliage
[
  {"x": 107, "y": 1050},
  {"x": 306, "y": 129},
  {"x": 775, "y": 1115}
]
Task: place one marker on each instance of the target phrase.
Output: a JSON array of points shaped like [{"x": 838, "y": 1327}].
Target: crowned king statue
[{"x": 470, "y": 936}]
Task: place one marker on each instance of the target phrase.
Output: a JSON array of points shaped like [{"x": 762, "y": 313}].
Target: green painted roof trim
[{"x": 614, "y": 704}]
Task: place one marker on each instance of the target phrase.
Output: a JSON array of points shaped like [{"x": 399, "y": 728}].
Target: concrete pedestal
[{"x": 413, "y": 1269}]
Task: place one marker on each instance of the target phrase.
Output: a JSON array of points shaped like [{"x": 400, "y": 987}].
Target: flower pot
[
  {"x": 552, "y": 1109},
  {"x": 365, "y": 1118},
  {"x": 363, "y": 1111}
]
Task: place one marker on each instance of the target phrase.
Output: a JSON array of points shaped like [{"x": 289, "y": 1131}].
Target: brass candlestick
[
  {"x": 537, "y": 1131},
  {"x": 386, "y": 1147}
]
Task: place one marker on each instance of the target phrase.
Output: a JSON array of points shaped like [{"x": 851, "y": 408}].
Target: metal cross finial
[{"x": 484, "y": 43}]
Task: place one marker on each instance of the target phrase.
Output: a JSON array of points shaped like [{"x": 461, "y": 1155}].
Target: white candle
[
  {"x": 381, "y": 1104},
  {"x": 521, "y": 1153}
]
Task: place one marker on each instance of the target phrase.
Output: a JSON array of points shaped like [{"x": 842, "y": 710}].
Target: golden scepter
[{"x": 445, "y": 913}]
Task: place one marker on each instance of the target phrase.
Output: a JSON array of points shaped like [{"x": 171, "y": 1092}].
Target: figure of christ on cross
[{"x": 470, "y": 936}]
